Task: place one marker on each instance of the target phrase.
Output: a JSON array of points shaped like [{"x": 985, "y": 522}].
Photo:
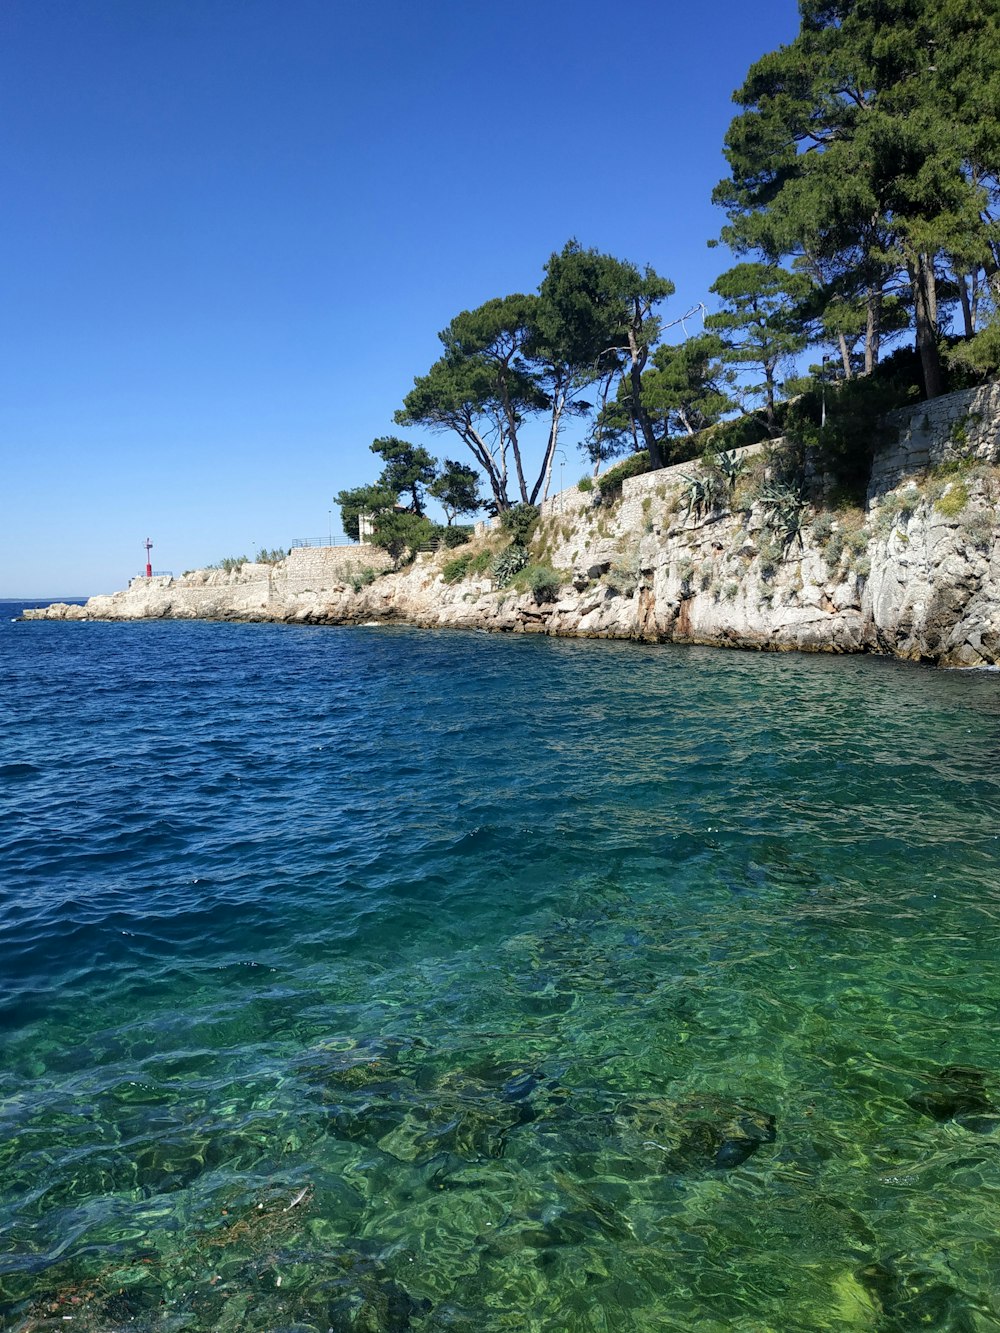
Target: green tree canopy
[
  {"x": 688, "y": 386},
  {"x": 758, "y": 322},
  {"x": 456, "y": 488},
  {"x": 518, "y": 356},
  {"x": 408, "y": 469},
  {"x": 355, "y": 501},
  {"x": 870, "y": 143}
]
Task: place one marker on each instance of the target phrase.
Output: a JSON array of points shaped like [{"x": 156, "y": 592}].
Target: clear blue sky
[{"x": 232, "y": 229}]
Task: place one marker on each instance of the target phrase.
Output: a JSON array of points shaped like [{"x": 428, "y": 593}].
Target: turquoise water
[{"x": 383, "y": 979}]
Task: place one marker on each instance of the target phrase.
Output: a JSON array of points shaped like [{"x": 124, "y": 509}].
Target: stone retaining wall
[
  {"x": 314, "y": 568},
  {"x": 958, "y": 425}
]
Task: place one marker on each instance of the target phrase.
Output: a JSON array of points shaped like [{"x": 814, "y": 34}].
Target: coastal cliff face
[{"x": 684, "y": 556}]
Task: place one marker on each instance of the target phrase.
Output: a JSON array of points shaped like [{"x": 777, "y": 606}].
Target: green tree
[
  {"x": 456, "y": 488},
  {"x": 369, "y": 500},
  {"x": 400, "y": 531},
  {"x": 408, "y": 469},
  {"x": 604, "y": 314},
  {"x": 758, "y": 322},
  {"x": 862, "y": 142},
  {"x": 518, "y": 356},
  {"x": 688, "y": 385},
  {"x": 482, "y": 388}
]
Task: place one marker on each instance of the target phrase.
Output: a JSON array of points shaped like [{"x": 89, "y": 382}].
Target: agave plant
[
  {"x": 785, "y": 511},
  {"x": 507, "y": 563},
  {"x": 731, "y": 466}
]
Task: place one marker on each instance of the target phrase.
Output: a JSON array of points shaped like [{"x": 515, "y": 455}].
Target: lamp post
[
  {"x": 329, "y": 514},
  {"x": 562, "y": 464}
]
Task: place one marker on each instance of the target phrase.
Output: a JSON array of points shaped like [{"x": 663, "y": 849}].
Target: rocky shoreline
[{"x": 678, "y": 556}]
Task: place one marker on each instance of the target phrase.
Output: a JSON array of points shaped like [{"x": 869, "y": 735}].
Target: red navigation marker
[{"x": 149, "y": 567}]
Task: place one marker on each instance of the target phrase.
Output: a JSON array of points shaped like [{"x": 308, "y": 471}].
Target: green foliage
[
  {"x": 784, "y": 510},
  {"x": 540, "y": 579},
  {"x": 230, "y": 562},
  {"x": 456, "y": 487},
  {"x": 370, "y": 500},
  {"x": 408, "y": 469},
  {"x": 953, "y": 500},
  {"x": 623, "y": 574},
  {"x": 455, "y": 570},
  {"x": 607, "y": 309},
  {"x": 867, "y": 148},
  {"x": 980, "y": 356},
  {"x": 770, "y": 555},
  {"x": 363, "y": 577},
  {"x": 266, "y": 557},
  {"x": 455, "y": 535},
  {"x": 855, "y": 424},
  {"x": 834, "y": 549},
  {"x": 506, "y": 563},
  {"x": 895, "y": 508},
  {"x": 480, "y": 563},
  {"x": 979, "y": 530},
  {"x": 585, "y": 484},
  {"x": 688, "y": 387},
  {"x": 610, "y": 482},
  {"x": 758, "y": 322},
  {"x": 401, "y": 533},
  {"x": 703, "y": 492},
  {"x": 750, "y": 428},
  {"x": 519, "y": 523}
]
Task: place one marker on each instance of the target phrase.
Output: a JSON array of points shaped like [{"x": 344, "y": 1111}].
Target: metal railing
[{"x": 299, "y": 542}]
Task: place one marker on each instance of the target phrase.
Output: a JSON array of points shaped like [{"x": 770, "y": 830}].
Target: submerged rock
[
  {"x": 707, "y": 1133},
  {"x": 913, "y": 1296},
  {"x": 958, "y": 1093}
]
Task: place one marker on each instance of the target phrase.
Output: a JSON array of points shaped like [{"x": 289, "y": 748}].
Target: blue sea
[{"x": 379, "y": 979}]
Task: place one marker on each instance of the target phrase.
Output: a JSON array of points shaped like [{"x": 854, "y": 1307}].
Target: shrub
[
  {"x": 455, "y": 570},
  {"x": 362, "y": 578},
  {"x": 479, "y": 564},
  {"x": 457, "y": 535},
  {"x": 821, "y": 528},
  {"x": 896, "y": 508},
  {"x": 978, "y": 530},
  {"x": 610, "y": 483},
  {"x": 623, "y": 575},
  {"x": 953, "y": 500},
  {"x": 833, "y": 550},
  {"x": 540, "y": 579},
  {"x": 585, "y": 484},
  {"x": 519, "y": 522},
  {"x": 736, "y": 434},
  {"x": 771, "y": 554},
  {"x": 266, "y": 557},
  {"x": 230, "y": 562}
]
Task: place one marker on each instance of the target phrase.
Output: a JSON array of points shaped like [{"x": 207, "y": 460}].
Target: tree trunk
[
  {"x": 845, "y": 356},
  {"x": 873, "y": 327},
  {"x": 769, "y": 413},
  {"x": 545, "y": 476},
  {"x": 921, "y": 273},
  {"x": 640, "y": 416},
  {"x": 968, "y": 319}
]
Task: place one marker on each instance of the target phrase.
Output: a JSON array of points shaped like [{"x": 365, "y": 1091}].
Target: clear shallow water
[{"x": 382, "y": 979}]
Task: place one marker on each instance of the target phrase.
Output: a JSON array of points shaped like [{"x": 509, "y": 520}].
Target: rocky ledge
[{"x": 688, "y": 555}]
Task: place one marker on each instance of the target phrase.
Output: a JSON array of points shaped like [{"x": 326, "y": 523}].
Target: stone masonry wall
[
  {"x": 961, "y": 424},
  {"x": 312, "y": 568}
]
